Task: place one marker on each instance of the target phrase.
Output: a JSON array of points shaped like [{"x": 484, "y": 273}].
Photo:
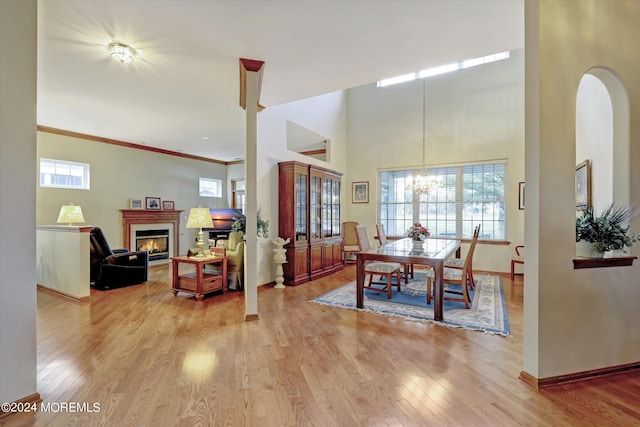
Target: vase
[
  {"x": 585, "y": 249},
  {"x": 418, "y": 245}
]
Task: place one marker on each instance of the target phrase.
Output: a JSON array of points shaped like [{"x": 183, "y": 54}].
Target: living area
[{"x": 472, "y": 116}]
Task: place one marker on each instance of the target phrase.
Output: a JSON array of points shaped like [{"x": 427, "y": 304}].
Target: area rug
[{"x": 488, "y": 312}]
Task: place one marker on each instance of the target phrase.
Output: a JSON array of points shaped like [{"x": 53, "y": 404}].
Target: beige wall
[
  {"x": 575, "y": 320},
  {"x": 471, "y": 115},
  {"x": 119, "y": 174},
  {"x": 18, "y": 20}
]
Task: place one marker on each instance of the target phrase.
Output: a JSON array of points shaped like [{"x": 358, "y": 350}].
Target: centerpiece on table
[
  {"x": 418, "y": 234},
  {"x": 607, "y": 232}
]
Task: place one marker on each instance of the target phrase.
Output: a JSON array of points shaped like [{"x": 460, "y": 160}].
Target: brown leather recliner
[{"x": 111, "y": 268}]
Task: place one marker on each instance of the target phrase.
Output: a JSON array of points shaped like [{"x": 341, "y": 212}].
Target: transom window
[
  {"x": 210, "y": 187},
  {"x": 64, "y": 174},
  {"x": 463, "y": 197}
]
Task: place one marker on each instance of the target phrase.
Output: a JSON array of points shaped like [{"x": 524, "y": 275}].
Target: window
[
  {"x": 64, "y": 174},
  {"x": 444, "y": 69},
  {"x": 210, "y": 187},
  {"x": 237, "y": 194},
  {"x": 464, "y": 196}
]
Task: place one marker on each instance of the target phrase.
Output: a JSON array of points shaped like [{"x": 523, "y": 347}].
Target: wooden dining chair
[
  {"x": 382, "y": 238},
  {"x": 378, "y": 268},
  {"x": 454, "y": 277},
  {"x": 458, "y": 263},
  {"x": 349, "y": 240},
  {"x": 518, "y": 259}
]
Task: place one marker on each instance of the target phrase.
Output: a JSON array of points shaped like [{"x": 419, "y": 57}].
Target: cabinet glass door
[
  {"x": 315, "y": 207},
  {"x": 335, "y": 205},
  {"x": 326, "y": 208},
  {"x": 301, "y": 207}
]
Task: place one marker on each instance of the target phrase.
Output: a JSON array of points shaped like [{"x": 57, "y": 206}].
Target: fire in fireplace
[{"x": 156, "y": 242}]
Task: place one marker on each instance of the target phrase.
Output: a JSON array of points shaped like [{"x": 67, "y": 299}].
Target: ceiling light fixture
[
  {"x": 122, "y": 52},
  {"x": 423, "y": 183}
]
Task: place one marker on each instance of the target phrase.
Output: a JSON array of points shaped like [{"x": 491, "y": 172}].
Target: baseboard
[
  {"x": 249, "y": 317},
  {"x": 29, "y": 400},
  {"x": 541, "y": 383},
  {"x": 62, "y": 294}
]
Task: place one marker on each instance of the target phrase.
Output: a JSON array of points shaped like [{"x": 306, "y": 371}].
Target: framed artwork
[
  {"x": 360, "y": 192},
  {"x": 168, "y": 205},
  {"x": 135, "y": 203},
  {"x": 521, "y": 196},
  {"x": 583, "y": 185},
  {"x": 152, "y": 202}
]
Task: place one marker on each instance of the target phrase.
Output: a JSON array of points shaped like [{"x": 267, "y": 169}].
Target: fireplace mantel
[{"x": 148, "y": 216}]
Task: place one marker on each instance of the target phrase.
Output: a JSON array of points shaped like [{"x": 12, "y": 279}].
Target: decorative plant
[
  {"x": 608, "y": 231},
  {"x": 240, "y": 225},
  {"x": 418, "y": 232}
]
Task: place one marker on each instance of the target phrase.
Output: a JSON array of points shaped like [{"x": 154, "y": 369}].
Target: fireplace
[
  {"x": 135, "y": 221},
  {"x": 156, "y": 242}
]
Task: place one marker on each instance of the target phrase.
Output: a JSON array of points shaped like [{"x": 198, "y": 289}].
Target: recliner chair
[{"x": 115, "y": 268}]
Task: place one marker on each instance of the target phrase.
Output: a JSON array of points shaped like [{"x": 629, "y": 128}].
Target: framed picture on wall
[
  {"x": 360, "y": 192},
  {"x": 152, "y": 202},
  {"x": 168, "y": 205},
  {"x": 583, "y": 185},
  {"x": 135, "y": 203},
  {"x": 521, "y": 196}
]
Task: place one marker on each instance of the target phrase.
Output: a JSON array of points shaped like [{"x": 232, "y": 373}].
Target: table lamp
[
  {"x": 69, "y": 214},
  {"x": 200, "y": 218}
]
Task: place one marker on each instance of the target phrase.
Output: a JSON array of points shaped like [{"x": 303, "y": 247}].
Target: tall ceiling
[{"x": 184, "y": 85}]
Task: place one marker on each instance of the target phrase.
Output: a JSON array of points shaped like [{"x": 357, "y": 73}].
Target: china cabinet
[{"x": 309, "y": 214}]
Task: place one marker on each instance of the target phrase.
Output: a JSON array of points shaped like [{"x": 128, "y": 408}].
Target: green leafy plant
[
  {"x": 240, "y": 225},
  {"x": 608, "y": 231}
]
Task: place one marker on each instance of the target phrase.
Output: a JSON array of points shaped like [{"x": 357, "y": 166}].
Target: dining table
[{"x": 433, "y": 252}]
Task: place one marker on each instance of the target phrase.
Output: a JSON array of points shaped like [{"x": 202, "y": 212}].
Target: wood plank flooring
[{"x": 151, "y": 359}]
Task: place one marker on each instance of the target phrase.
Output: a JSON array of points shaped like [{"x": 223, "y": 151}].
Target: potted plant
[
  {"x": 608, "y": 231},
  {"x": 240, "y": 225}
]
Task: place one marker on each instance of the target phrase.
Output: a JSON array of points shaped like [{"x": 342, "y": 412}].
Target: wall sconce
[
  {"x": 69, "y": 214},
  {"x": 200, "y": 218}
]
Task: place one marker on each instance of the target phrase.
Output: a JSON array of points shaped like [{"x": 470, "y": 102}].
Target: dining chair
[
  {"x": 454, "y": 277},
  {"x": 349, "y": 240},
  {"x": 382, "y": 238},
  {"x": 458, "y": 263},
  {"x": 518, "y": 259},
  {"x": 378, "y": 268}
]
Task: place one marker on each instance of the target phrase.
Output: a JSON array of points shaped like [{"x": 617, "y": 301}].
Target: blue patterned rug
[{"x": 488, "y": 312}]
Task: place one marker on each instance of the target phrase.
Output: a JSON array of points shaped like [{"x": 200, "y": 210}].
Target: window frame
[
  {"x": 217, "y": 192},
  {"x": 454, "y": 208},
  {"x": 84, "y": 178}
]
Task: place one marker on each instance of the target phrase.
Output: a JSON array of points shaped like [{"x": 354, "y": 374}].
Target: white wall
[
  {"x": 575, "y": 320},
  {"x": 118, "y": 174},
  {"x": 594, "y": 137},
  {"x": 473, "y": 114},
  {"x": 18, "y": 21},
  {"x": 325, "y": 115}
]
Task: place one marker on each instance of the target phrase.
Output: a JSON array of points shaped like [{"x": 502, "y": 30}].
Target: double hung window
[{"x": 462, "y": 197}]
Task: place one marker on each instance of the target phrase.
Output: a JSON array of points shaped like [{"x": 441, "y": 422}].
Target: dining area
[{"x": 390, "y": 265}]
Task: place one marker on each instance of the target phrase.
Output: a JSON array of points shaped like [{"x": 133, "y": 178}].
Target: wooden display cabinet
[{"x": 309, "y": 214}]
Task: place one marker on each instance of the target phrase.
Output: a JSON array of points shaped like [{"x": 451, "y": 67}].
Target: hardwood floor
[{"x": 148, "y": 358}]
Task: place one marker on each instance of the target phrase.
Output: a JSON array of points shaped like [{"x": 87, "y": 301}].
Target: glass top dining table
[{"x": 433, "y": 252}]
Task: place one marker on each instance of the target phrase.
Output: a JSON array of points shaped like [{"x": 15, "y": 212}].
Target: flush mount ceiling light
[{"x": 122, "y": 52}]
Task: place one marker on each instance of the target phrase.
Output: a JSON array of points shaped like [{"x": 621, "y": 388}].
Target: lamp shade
[
  {"x": 199, "y": 218},
  {"x": 70, "y": 213}
]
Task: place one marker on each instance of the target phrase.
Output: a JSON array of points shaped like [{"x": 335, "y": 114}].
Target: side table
[{"x": 199, "y": 282}]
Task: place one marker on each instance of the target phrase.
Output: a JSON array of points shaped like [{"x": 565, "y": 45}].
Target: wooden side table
[{"x": 199, "y": 282}]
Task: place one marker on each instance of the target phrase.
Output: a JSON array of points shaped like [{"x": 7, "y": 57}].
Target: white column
[{"x": 251, "y": 72}]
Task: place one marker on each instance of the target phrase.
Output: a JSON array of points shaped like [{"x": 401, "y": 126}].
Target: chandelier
[{"x": 422, "y": 181}]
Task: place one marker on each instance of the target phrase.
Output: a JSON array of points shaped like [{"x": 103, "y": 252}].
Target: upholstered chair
[
  {"x": 235, "y": 259},
  {"x": 112, "y": 268}
]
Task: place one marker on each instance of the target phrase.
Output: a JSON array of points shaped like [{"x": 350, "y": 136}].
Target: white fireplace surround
[{"x": 154, "y": 226}]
